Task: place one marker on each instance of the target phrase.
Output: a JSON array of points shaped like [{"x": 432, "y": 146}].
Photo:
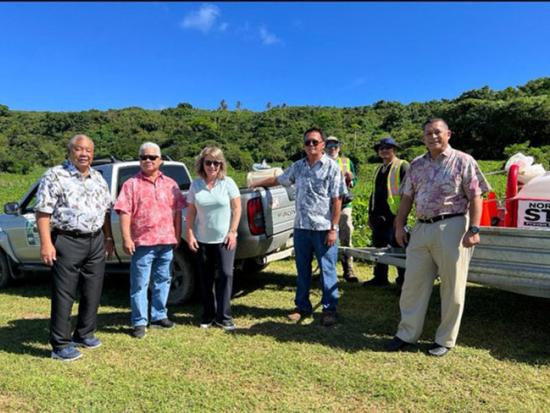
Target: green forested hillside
[{"x": 484, "y": 123}]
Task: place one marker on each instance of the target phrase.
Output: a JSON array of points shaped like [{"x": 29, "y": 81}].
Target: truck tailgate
[{"x": 278, "y": 208}]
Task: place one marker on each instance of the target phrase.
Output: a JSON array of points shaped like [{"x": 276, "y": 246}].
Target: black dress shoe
[
  {"x": 396, "y": 344},
  {"x": 437, "y": 350}
]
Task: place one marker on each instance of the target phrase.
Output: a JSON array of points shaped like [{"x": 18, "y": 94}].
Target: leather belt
[
  {"x": 76, "y": 234},
  {"x": 439, "y": 218}
]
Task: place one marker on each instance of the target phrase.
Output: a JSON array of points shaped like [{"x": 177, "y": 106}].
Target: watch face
[{"x": 474, "y": 230}]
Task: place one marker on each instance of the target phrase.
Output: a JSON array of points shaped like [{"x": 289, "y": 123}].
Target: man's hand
[
  {"x": 401, "y": 237},
  {"x": 48, "y": 254},
  {"x": 469, "y": 239},
  {"x": 109, "y": 247},
  {"x": 128, "y": 246},
  {"x": 332, "y": 236},
  {"x": 349, "y": 178}
]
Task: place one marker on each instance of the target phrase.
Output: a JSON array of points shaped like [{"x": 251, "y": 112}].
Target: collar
[
  {"x": 446, "y": 153},
  {"x": 324, "y": 159},
  {"x": 141, "y": 175},
  {"x": 73, "y": 170}
]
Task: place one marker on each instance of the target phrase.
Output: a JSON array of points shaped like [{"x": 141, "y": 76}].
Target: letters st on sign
[{"x": 534, "y": 214}]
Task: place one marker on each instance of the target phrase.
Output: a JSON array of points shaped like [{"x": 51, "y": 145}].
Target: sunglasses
[
  {"x": 148, "y": 157},
  {"x": 311, "y": 142},
  {"x": 332, "y": 146},
  {"x": 208, "y": 162}
]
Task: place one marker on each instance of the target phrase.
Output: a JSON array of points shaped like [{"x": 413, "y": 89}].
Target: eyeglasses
[
  {"x": 208, "y": 162},
  {"x": 148, "y": 157},
  {"x": 332, "y": 146},
  {"x": 311, "y": 142}
]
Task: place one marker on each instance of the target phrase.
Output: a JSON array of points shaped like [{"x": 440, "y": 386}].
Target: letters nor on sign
[{"x": 534, "y": 214}]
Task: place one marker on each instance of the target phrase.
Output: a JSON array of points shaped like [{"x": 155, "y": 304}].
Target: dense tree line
[{"x": 484, "y": 122}]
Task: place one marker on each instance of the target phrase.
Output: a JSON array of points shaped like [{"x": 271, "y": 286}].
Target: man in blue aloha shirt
[{"x": 320, "y": 186}]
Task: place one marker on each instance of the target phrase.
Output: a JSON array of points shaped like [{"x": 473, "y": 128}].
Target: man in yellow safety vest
[
  {"x": 384, "y": 204},
  {"x": 333, "y": 145}
]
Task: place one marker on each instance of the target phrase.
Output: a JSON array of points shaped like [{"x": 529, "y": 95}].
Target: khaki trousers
[{"x": 435, "y": 249}]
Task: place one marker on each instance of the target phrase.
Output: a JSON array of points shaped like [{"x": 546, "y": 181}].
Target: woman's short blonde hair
[{"x": 215, "y": 153}]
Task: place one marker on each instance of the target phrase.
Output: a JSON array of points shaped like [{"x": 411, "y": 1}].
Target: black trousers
[
  {"x": 382, "y": 236},
  {"x": 80, "y": 265},
  {"x": 215, "y": 267}
]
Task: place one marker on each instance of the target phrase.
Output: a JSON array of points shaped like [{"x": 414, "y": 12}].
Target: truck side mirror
[{"x": 12, "y": 208}]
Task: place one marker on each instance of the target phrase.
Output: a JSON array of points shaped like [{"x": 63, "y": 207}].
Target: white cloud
[
  {"x": 267, "y": 37},
  {"x": 202, "y": 19}
]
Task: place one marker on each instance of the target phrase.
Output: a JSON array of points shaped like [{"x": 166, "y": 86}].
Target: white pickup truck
[{"x": 264, "y": 235}]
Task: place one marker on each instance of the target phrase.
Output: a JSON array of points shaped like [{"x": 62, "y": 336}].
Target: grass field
[{"x": 501, "y": 362}]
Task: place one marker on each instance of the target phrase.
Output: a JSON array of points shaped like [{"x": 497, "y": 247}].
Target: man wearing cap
[
  {"x": 384, "y": 204},
  {"x": 346, "y": 224},
  {"x": 446, "y": 186},
  {"x": 320, "y": 187}
]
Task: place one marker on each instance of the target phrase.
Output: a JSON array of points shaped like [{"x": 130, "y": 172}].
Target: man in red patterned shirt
[{"x": 150, "y": 205}]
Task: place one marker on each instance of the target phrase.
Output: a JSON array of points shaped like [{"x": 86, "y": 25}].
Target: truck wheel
[
  {"x": 252, "y": 266},
  {"x": 183, "y": 278},
  {"x": 4, "y": 270}
]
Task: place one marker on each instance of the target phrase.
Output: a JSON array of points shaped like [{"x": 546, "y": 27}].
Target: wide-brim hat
[{"x": 387, "y": 141}]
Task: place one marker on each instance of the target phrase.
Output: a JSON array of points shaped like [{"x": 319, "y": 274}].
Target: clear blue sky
[{"x": 79, "y": 56}]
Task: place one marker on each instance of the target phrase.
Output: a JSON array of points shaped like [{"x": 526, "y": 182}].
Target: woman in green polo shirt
[{"x": 213, "y": 214}]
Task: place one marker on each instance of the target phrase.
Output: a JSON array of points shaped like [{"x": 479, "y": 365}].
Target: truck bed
[{"x": 510, "y": 259}]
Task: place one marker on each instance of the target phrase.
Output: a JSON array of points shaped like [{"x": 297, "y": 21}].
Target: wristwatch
[
  {"x": 473, "y": 229},
  {"x": 335, "y": 227}
]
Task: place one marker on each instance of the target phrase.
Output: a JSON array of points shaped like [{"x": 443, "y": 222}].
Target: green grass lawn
[{"x": 501, "y": 362}]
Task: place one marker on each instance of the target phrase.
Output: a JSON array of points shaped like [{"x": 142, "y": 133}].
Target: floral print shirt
[
  {"x": 444, "y": 185},
  {"x": 152, "y": 207},
  {"x": 76, "y": 202},
  {"x": 316, "y": 185}
]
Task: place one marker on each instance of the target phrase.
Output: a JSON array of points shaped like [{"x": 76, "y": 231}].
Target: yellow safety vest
[
  {"x": 344, "y": 164},
  {"x": 393, "y": 185}
]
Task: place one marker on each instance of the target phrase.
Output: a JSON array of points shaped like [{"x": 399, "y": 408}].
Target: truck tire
[
  {"x": 252, "y": 266},
  {"x": 4, "y": 270},
  {"x": 183, "y": 278}
]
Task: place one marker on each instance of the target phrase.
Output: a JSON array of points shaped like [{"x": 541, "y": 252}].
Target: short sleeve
[
  {"x": 48, "y": 193},
  {"x": 124, "y": 200},
  {"x": 232, "y": 188},
  {"x": 474, "y": 182},
  {"x": 338, "y": 187},
  {"x": 191, "y": 194},
  {"x": 288, "y": 177}
]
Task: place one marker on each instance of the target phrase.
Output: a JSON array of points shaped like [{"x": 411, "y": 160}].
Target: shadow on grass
[{"x": 509, "y": 326}]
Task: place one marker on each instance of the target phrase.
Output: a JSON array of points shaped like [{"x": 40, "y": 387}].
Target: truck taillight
[{"x": 255, "y": 213}]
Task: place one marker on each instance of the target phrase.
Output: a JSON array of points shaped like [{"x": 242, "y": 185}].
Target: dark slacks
[
  {"x": 383, "y": 234},
  {"x": 80, "y": 265},
  {"x": 215, "y": 268}
]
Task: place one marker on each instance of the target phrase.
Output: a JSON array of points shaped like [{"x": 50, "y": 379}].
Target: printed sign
[{"x": 534, "y": 214}]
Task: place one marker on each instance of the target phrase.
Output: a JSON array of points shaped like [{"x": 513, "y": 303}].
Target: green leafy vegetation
[{"x": 484, "y": 122}]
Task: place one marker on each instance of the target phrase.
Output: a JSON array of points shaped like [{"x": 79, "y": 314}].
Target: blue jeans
[
  {"x": 150, "y": 261},
  {"x": 306, "y": 244}
]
